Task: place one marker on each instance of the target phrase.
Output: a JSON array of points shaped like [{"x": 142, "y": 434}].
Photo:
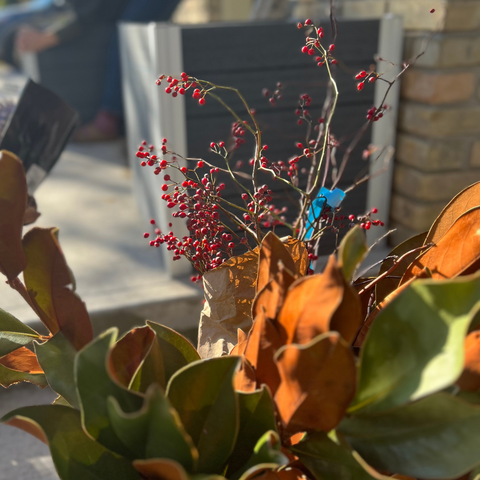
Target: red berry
[
  {"x": 372, "y": 79},
  {"x": 374, "y": 210},
  {"x": 143, "y": 164},
  {"x": 166, "y": 178},
  {"x": 181, "y": 91},
  {"x": 332, "y": 47},
  {"x": 231, "y": 245},
  {"x": 202, "y": 101},
  {"x": 168, "y": 90},
  {"x": 432, "y": 10},
  {"x": 200, "y": 164},
  {"x": 311, "y": 51},
  {"x": 152, "y": 221},
  {"x": 212, "y": 145},
  {"x": 265, "y": 147},
  {"x": 360, "y": 86},
  {"x": 146, "y": 235},
  {"x": 221, "y": 144},
  {"x": 308, "y": 21},
  {"x": 304, "y": 49},
  {"x": 183, "y": 169},
  {"x": 299, "y": 145},
  {"x": 351, "y": 218}
]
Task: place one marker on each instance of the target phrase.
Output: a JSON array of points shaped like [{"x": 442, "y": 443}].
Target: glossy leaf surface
[
  {"x": 13, "y": 333},
  {"x": 352, "y": 251}
]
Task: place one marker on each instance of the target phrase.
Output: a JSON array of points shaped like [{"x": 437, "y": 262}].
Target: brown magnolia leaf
[
  {"x": 31, "y": 212},
  {"x": 129, "y": 353},
  {"x": 28, "y": 426},
  {"x": 160, "y": 469},
  {"x": 272, "y": 296},
  {"x": 22, "y": 360},
  {"x": 470, "y": 378},
  {"x": 298, "y": 251},
  {"x": 319, "y": 304},
  {"x": 263, "y": 341},
  {"x": 229, "y": 293},
  {"x": 454, "y": 253},
  {"x": 13, "y": 201},
  {"x": 366, "y": 297},
  {"x": 464, "y": 201},
  {"x": 273, "y": 254},
  {"x": 47, "y": 278},
  {"x": 318, "y": 382},
  {"x": 387, "y": 285},
  {"x": 239, "y": 348},
  {"x": 245, "y": 380}
]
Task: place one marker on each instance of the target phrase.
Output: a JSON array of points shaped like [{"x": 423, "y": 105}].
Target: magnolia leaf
[
  {"x": 202, "y": 393},
  {"x": 13, "y": 333},
  {"x": 265, "y": 472},
  {"x": 387, "y": 285},
  {"x": 13, "y": 202},
  {"x": 155, "y": 431},
  {"x": 436, "y": 437},
  {"x": 416, "y": 345},
  {"x": 273, "y": 256},
  {"x": 75, "y": 455},
  {"x": 298, "y": 251},
  {"x": 257, "y": 416},
  {"x": 262, "y": 343},
  {"x": 245, "y": 379},
  {"x": 10, "y": 377},
  {"x": 352, "y": 251},
  {"x": 160, "y": 469},
  {"x": 454, "y": 253},
  {"x": 62, "y": 402},
  {"x": 47, "y": 278},
  {"x": 31, "y": 212},
  {"x": 128, "y": 354},
  {"x": 57, "y": 358},
  {"x": 470, "y": 378},
  {"x": 328, "y": 459},
  {"x": 318, "y": 382},
  {"x": 169, "y": 352},
  {"x": 95, "y": 384},
  {"x": 464, "y": 201},
  {"x": 267, "y": 454},
  {"x": 319, "y": 304}
]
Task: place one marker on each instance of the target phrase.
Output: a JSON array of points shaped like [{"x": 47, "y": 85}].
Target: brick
[
  {"x": 431, "y": 155},
  {"x": 462, "y": 16},
  {"x": 439, "y": 121},
  {"x": 475, "y": 156},
  {"x": 431, "y": 187},
  {"x": 439, "y": 87},
  {"x": 415, "y": 215},
  {"x": 443, "y": 50}
]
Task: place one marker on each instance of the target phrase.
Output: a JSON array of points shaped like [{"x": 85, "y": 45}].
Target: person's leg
[{"x": 110, "y": 118}]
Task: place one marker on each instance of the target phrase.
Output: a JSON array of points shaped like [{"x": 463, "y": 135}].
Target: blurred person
[{"x": 108, "y": 122}]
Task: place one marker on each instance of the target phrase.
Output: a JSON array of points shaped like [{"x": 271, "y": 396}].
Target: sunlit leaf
[
  {"x": 57, "y": 358},
  {"x": 352, "y": 251},
  {"x": 75, "y": 455},
  {"x": 470, "y": 378},
  {"x": 455, "y": 252},
  {"x": 169, "y": 352},
  {"x": 318, "y": 382},
  {"x": 13, "y": 333},
  {"x": 415, "y": 347},
  {"x": 331, "y": 460},
  {"x": 160, "y": 469},
  {"x": 155, "y": 431},
  {"x": 13, "y": 201},
  {"x": 47, "y": 278},
  {"x": 203, "y": 395},
  {"x": 436, "y": 437}
]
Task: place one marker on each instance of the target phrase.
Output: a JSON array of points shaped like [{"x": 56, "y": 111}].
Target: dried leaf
[
  {"x": 386, "y": 286},
  {"x": 129, "y": 353},
  {"x": 464, "y": 201},
  {"x": 47, "y": 278},
  {"x": 273, "y": 255},
  {"x": 239, "y": 348},
  {"x": 320, "y": 304},
  {"x": 262, "y": 343},
  {"x": 13, "y": 201},
  {"x": 454, "y": 253},
  {"x": 299, "y": 253},
  {"x": 470, "y": 378},
  {"x": 245, "y": 379},
  {"x": 229, "y": 293},
  {"x": 317, "y": 383},
  {"x": 22, "y": 360}
]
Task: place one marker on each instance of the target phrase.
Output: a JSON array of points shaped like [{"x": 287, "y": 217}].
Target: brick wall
[{"x": 438, "y": 144}]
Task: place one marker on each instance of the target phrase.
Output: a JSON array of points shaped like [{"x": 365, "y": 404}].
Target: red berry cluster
[
  {"x": 365, "y": 77},
  {"x": 375, "y": 114},
  {"x": 180, "y": 86},
  {"x": 313, "y": 45},
  {"x": 365, "y": 221},
  {"x": 276, "y": 95}
]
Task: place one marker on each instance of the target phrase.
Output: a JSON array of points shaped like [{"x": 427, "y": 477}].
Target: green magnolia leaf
[
  {"x": 75, "y": 455},
  {"x": 330, "y": 460},
  {"x": 155, "y": 431},
  {"x": 169, "y": 353},
  {"x": 10, "y": 377},
  {"x": 13, "y": 202},
  {"x": 47, "y": 278},
  {"x": 352, "y": 251},
  {"x": 415, "y": 347},
  {"x": 267, "y": 454},
  {"x": 61, "y": 401},
  {"x": 95, "y": 385},
  {"x": 436, "y": 437},
  {"x": 14, "y": 334},
  {"x": 57, "y": 359},
  {"x": 204, "y": 397},
  {"x": 257, "y": 416}
]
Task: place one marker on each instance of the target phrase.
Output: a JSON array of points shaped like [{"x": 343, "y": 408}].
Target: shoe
[{"x": 103, "y": 128}]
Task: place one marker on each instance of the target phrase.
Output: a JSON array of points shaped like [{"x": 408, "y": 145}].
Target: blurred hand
[{"x": 29, "y": 39}]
